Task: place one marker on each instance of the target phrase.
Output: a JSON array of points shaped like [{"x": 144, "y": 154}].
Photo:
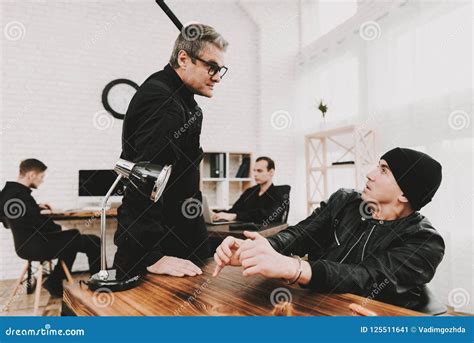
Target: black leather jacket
[{"x": 349, "y": 252}]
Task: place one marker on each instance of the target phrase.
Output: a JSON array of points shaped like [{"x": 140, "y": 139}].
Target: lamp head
[{"x": 150, "y": 179}]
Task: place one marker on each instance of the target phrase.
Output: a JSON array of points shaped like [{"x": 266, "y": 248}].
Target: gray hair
[{"x": 193, "y": 39}]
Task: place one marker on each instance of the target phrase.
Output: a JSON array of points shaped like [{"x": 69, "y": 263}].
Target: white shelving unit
[
  {"x": 349, "y": 143},
  {"x": 223, "y": 192}
]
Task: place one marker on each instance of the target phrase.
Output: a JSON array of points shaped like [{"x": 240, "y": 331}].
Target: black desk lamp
[{"x": 150, "y": 180}]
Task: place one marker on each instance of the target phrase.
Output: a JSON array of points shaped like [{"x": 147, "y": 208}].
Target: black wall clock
[{"x": 116, "y": 96}]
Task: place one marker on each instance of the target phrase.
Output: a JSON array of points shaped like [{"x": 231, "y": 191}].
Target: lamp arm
[
  {"x": 103, "y": 274},
  {"x": 170, "y": 14}
]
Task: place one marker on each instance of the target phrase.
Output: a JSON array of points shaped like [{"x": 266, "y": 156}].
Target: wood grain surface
[{"x": 229, "y": 294}]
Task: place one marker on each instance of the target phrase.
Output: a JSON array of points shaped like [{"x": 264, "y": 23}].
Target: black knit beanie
[{"x": 417, "y": 174}]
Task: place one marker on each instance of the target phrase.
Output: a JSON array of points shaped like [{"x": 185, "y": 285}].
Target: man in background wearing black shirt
[
  {"x": 263, "y": 203},
  {"x": 37, "y": 237}
]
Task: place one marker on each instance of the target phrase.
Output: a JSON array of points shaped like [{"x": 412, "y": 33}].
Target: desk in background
[
  {"x": 81, "y": 214},
  {"x": 90, "y": 221},
  {"x": 230, "y": 294}
]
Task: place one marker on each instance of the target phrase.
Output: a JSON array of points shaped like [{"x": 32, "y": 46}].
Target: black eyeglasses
[{"x": 213, "y": 67}]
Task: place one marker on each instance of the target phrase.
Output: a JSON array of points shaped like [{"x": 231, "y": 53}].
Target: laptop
[{"x": 207, "y": 213}]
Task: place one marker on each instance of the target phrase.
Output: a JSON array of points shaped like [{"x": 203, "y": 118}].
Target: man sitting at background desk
[
  {"x": 374, "y": 244},
  {"x": 262, "y": 203},
  {"x": 38, "y": 236}
]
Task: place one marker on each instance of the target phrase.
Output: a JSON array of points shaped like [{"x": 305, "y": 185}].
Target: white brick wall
[
  {"x": 278, "y": 23},
  {"x": 52, "y": 80}
]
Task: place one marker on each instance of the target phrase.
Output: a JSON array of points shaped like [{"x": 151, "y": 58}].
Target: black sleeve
[
  {"x": 32, "y": 218},
  {"x": 409, "y": 263},
  {"x": 308, "y": 234}
]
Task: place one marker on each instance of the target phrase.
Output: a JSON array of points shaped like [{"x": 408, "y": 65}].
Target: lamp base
[{"x": 114, "y": 285}]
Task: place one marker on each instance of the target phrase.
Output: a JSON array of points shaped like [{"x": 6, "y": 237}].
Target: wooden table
[
  {"x": 230, "y": 294},
  {"x": 222, "y": 231},
  {"x": 81, "y": 214}
]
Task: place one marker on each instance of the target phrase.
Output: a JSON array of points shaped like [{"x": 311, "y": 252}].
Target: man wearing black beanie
[
  {"x": 372, "y": 243},
  {"x": 416, "y": 173}
]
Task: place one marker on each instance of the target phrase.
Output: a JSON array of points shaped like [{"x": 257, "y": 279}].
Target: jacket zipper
[
  {"x": 363, "y": 233},
  {"x": 363, "y": 250},
  {"x": 335, "y": 236}
]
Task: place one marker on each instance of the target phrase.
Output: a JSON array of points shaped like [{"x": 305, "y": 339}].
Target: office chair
[
  {"x": 284, "y": 191},
  {"x": 8, "y": 224}
]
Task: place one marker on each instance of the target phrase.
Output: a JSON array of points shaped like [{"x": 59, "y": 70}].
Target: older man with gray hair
[{"x": 163, "y": 126}]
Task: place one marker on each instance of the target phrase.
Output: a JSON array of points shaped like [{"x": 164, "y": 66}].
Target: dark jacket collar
[
  {"x": 355, "y": 196},
  {"x": 177, "y": 84},
  {"x": 272, "y": 186},
  {"x": 268, "y": 191},
  {"x": 17, "y": 186}
]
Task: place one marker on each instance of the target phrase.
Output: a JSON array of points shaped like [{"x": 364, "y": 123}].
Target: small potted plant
[{"x": 323, "y": 108}]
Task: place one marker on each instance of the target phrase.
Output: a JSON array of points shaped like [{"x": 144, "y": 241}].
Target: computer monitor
[{"x": 96, "y": 183}]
